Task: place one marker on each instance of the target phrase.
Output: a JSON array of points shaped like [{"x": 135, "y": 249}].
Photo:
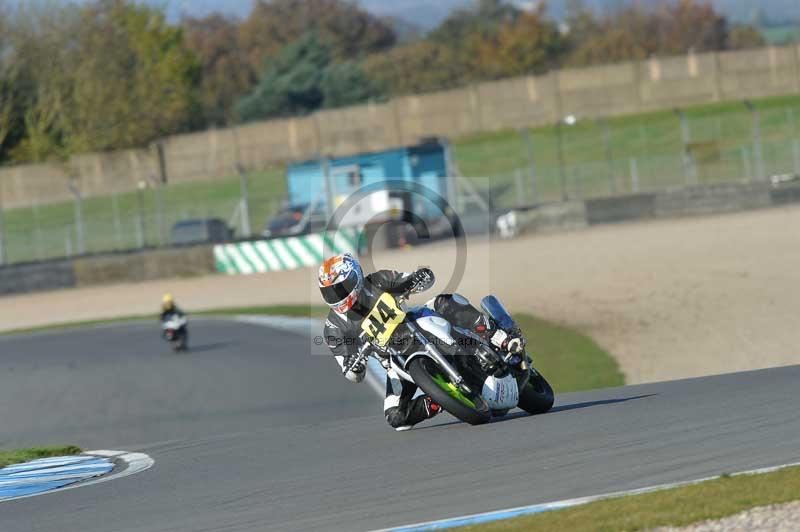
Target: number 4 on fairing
[{"x": 383, "y": 319}]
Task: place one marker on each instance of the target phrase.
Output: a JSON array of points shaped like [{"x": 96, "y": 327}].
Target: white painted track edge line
[
  {"x": 135, "y": 463},
  {"x": 520, "y": 511}
]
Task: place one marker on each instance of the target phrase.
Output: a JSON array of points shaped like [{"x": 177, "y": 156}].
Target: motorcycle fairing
[
  {"x": 502, "y": 393},
  {"x": 438, "y": 327}
]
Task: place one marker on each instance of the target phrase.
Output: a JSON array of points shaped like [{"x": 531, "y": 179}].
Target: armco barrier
[
  {"x": 552, "y": 217},
  {"x": 144, "y": 266},
  {"x": 620, "y": 208},
  {"x": 785, "y": 194},
  {"x": 712, "y": 199},
  {"x": 283, "y": 253},
  {"x": 36, "y": 277}
]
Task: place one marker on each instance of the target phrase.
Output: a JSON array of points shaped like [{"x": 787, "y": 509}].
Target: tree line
[{"x": 111, "y": 74}]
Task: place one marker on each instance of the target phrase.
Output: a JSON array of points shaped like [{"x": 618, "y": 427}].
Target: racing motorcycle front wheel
[
  {"x": 470, "y": 408},
  {"x": 537, "y": 396}
]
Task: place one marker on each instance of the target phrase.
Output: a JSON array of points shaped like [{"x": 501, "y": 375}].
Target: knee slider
[{"x": 394, "y": 417}]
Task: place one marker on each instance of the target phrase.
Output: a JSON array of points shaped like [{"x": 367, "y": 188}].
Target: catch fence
[{"x": 577, "y": 159}]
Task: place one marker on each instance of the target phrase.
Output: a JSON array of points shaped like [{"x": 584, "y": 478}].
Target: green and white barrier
[{"x": 288, "y": 253}]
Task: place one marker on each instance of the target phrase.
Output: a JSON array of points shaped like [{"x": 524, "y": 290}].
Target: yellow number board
[{"x": 383, "y": 319}]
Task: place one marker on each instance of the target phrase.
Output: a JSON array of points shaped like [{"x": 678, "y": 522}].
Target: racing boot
[{"x": 426, "y": 407}]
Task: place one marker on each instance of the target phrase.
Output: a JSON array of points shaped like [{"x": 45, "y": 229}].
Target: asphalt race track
[{"x": 250, "y": 433}]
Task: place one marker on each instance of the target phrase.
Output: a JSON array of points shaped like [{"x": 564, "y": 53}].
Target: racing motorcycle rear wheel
[
  {"x": 537, "y": 396},
  {"x": 180, "y": 341},
  {"x": 470, "y": 408}
]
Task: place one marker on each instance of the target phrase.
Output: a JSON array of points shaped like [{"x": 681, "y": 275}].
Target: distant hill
[{"x": 427, "y": 14}]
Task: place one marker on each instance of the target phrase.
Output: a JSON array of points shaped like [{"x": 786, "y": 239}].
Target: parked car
[
  {"x": 200, "y": 231},
  {"x": 296, "y": 220}
]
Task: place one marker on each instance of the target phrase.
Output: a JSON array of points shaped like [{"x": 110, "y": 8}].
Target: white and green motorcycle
[{"x": 459, "y": 369}]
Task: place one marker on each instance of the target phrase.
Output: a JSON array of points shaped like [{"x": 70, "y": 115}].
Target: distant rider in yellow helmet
[{"x": 168, "y": 307}]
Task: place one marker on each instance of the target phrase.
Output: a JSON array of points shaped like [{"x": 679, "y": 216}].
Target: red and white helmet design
[{"x": 340, "y": 282}]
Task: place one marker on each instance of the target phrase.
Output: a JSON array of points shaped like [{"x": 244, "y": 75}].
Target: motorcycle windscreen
[{"x": 492, "y": 306}]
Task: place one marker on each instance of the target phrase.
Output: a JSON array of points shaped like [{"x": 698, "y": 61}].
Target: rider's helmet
[
  {"x": 340, "y": 281},
  {"x": 167, "y": 303}
]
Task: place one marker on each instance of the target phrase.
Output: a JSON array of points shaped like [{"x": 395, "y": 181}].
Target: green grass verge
[
  {"x": 569, "y": 360},
  {"x": 17, "y": 456},
  {"x": 673, "y": 507}
]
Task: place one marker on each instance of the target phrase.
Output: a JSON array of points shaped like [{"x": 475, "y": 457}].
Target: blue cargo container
[{"x": 425, "y": 163}]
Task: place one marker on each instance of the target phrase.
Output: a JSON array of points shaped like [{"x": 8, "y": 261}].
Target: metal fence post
[
  {"x": 138, "y": 229},
  {"x": 561, "y": 170},
  {"x": 159, "y": 210},
  {"x": 688, "y": 160},
  {"x": 37, "y": 231},
  {"x": 796, "y": 156},
  {"x": 746, "y": 166},
  {"x": 758, "y": 146},
  {"x": 68, "y": 241},
  {"x": 609, "y": 155},
  {"x": 244, "y": 209},
  {"x": 521, "y": 199},
  {"x": 634, "y": 165},
  {"x": 758, "y": 149},
  {"x": 3, "y": 256},
  {"x": 795, "y": 141},
  {"x": 142, "y": 235},
  {"x": 117, "y": 223},
  {"x": 526, "y": 134},
  {"x": 78, "y": 207}
]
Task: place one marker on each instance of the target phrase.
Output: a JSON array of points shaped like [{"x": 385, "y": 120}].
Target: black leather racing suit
[
  {"x": 166, "y": 314},
  {"x": 342, "y": 332}
]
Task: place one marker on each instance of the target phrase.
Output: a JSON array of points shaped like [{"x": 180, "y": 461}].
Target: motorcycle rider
[
  {"x": 351, "y": 295},
  {"x": 168, "y": 308}
]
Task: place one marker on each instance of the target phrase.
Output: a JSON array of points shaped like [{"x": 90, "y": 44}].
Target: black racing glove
[
  {"x": 354, "y": 367},
  {"x": 421, "y": 280}
]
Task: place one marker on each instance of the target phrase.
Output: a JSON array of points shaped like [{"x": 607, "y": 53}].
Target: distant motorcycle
[{"x": 175, "y": 331}]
